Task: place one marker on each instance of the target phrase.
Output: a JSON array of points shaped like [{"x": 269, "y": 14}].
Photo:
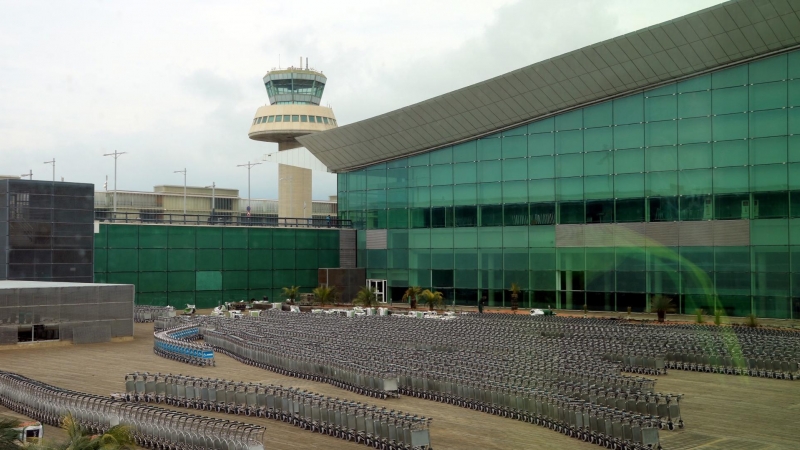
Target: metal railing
[{"x": 222, "y": 220}]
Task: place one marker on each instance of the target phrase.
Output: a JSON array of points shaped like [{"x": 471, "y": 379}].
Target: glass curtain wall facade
[{"x": 718, "y": 152}]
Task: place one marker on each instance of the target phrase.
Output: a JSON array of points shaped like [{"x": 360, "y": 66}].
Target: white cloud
[{"x": 176, "y": 84}]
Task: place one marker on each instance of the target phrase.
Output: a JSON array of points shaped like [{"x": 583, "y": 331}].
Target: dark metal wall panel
[
  {"x": 662, "y": 233},
  {"x": 570, "y": 236},
  {"x": 630, "y": 235},
  {"x": 347, "y": 248},
  {"x": 376, "y": 239},
  {"x": 696, "y": 234},
  {"x": 599, "y": 235}
]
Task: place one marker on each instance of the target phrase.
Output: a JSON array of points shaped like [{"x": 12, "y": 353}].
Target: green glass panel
[
  {"x": 376, "y": 259},
  {"x": 153, "y": 237},
  {"x": 465, "y": 173},
  {"x": 770, "y": 205},
  {"x": 419, "y": 258},
  {"x": 441, "y": 195},
  {"x": 668, "y": 89},
  {"x": 695, "y": 156},
  {"x": 519, "y": 131},
  {"x": 489, "y": 171},
  {"x": 694, "y": 104},
  {"x": 629, "y": 161},
  {"x": 515, "y": 169},
  {"x": 541, "y": 236},
  {"x": 569, "y": 142},
  {"x": 769, "y": 232},
  {"x": 768, "y": 69},
  {"x": 150, "y": 260},
  {"x": 694, "y": 130},
  {"x": 731, "y": 100},
  {"x": 123, "y": 236},
  {"x": 660, "y": 108},
  {"x": 629, "y": 136},
  {"x": 234, "y": 238},
  {"x": 234, "y": 280},
  {"x": 516, "y": 215},
  {"x": 793, "y": 64},
  {"x": 397, "y": 238},
  {"x": 794, "y": 182},
  {"x": 376, "y": 199},
  {"x": 465, "y": 152},
  {"x": 306, "y": 259},
  {"x": 566, "y": 189},
  {"x": 396, "y": 198},
  {"x": 664, "y": 209},
  {"x": 694, "y": 182},
  {"x": 442, "y": 238},
  {"x": 489, "y": 149},
  {"x": 515, "y": 146},
  {"x": 730, "y": 179},
  {"x": 394, "y": 164},
  {"x": 572, "y": 120},
  {"x": 376, "y": 179},
  {"x": 442, "y": 156},
  {"x": 179, "y": 300},
  {"x": 542, "y": 213},
  {"x": 600, "y": 259},
  {"x": 599, "y": 211},
  {"x": 541, "y": 167},
  {"x": 731, "y": 153},
  {"x": 661, "y": 184},
  {"x": 282, "y": 279},
  {"x": 442, "y": 175},
  {"x": 541, "y": 126},
  {"x": 181, "y": 259},
  {"x": 281, "y": 259},
  {"x": 700, "y": 83},
  {"x": 768, "y": 96},
  {"x": 398, "y": 218},
  {"x": 732, "y": 259},
  {"x": 794, "y": 121},
  {"x": 541, "y": 144},
  {"x": 660, "y": 158},
  {"x": 729, "y": 127},
  {"x": 397, "y": 178},
  {"x": 259, "y": 279},
  {"x": 441, "y": 259},
  {"x": 515, "y": 192},
  {"x": 122, "y": 278},
  {"x": 256, "y": 260},
  {"x": 356, "y": 180},
  {"x": 467, "y": 279},
  {"x": 181, "y": 281},
  {"x": 123, "y": 260},
  {"x": 397, "y": 258},
  {"x": 735, "y": 76},
  {"x": 599, "y": 115},
  {"x": 768, "y": 123},
  {"x": 598, "y": 139},
  {"x": 465, "y": 194},
  {"x": 100, "y": 260},
  {"x": 419, "y": 197},
  {"x": 544, "y": 281},
  {"x": 661, "y": 133},
  {"x": 283, "y": 239},
  {"x": 598, "y": 187},
  {"x": 629, "y": 110},
  {"x": 234, "y": 259},
  {"x": 570, "y": 165},
  {"x": 768, "y": 150},
  {"x": 629, "y": 185},
  {"x": 598, "y": 163},
  {"x": 419, "y": 176},
  {"x": 771, "y": 177},
  {"x": 543, "y": 259},
  {"x": 420, "y": 217},
  {"x": 465, "y": 238},
  {"x": 423, "y": 159},
  {"x": 419, "y": 238},
  {"x": 542, "y": 190},
  {"x": 490, "y": 258},
  {"x": 571, "y": 212},
  {"x": 793, "y": 97},
  {"x": 306, "y": 239},
  {"x": 490, "y": 193},
  {"x": 356, "y": 200}
]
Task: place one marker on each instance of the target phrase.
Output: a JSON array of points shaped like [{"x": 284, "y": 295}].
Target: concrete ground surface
[{"x": 720, "y": 411}]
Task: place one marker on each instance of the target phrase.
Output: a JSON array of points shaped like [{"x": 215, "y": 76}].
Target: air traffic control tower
[{"x": 293, "y": 110}]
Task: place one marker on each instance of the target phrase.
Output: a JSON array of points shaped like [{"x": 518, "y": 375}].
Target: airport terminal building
[{"x": 662, "y": 162}]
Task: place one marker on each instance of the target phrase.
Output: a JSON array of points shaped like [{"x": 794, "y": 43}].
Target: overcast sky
[{"x": 176, "y": 84}]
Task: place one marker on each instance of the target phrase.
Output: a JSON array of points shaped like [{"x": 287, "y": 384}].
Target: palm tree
[
  {"x": 661, "y": 305},
  {"x": 515, "y": 290},
  {"x": 291, "y": 293},
  {"x": 324, "y": 294},
  {"x": 411, "y": 295},
  {"x": 366, "y": 297},
  {"x": 431, "y": 298},
  {"x": 78, "y": 438},
  {"x": 8, "y": 434}
]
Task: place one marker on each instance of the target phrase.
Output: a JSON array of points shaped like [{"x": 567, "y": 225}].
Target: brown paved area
[{"x": 721, "y": 411}]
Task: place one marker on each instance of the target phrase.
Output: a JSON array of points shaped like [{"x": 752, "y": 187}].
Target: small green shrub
[
  {"x": 717, "y": 317},
  {"x": 699, "y": 313},
  {"x": 751, "y": 321}
]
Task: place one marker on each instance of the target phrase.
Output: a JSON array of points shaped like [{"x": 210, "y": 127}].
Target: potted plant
[
  {"x": 661, "y": 305},
  {"x": 324, "y": 294},
  {"x": 291, "y": 293},
  {"x": 366, "y": 297},
  {"x": 411, "y": 296},
  {"x": 514, "y": 296},
  {"x": 431, "y": 298}
]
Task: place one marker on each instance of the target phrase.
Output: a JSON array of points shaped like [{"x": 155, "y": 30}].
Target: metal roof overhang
[{"x": 706, "y": 40}]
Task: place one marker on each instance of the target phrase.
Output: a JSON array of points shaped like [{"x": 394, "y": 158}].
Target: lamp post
[
  {"x": 249, "y": 165},
  {"x": 116, "y": 155},
  {"x": 53, "y": 162},
  {"x": 29, "y": 175},
  {"x": 213, "y": 203},
  {"x": 184, "y": 188},
  {"x": 290, "y": 179}
]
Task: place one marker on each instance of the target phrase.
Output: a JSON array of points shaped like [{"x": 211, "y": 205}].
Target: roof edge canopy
[{"x": 721, "y": 35}]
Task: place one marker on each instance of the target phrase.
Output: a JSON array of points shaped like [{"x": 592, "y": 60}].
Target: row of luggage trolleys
[
  {"x": 357, "y": 422},
  {"x": 177, "y": 344},
  {"x": 785, "y": 369}
]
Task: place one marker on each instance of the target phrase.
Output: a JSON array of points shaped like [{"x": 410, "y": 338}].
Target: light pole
[
  {"x": 29, "y": 175},
  {"x": 249, "y": 165},
  {"x": 291, "y": 187},
  {"x": 53, "y": 162},
  {"x": 116, "y": 155},
  {"x": 213, "y": 188},
  {"x": 184, "y": 188}
]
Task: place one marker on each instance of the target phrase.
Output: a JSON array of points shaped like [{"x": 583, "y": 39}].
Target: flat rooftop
[{"x": 25, "y": 284}]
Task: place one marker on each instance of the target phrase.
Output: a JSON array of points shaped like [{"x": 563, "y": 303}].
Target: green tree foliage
[
  {"x": 291, "y": 292},
  {"x": 431, "y": 299},
  {"x": 411, "y": 296},
  {"x": 366, "y": 297},
  {"x": 324, "y": 294}
]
